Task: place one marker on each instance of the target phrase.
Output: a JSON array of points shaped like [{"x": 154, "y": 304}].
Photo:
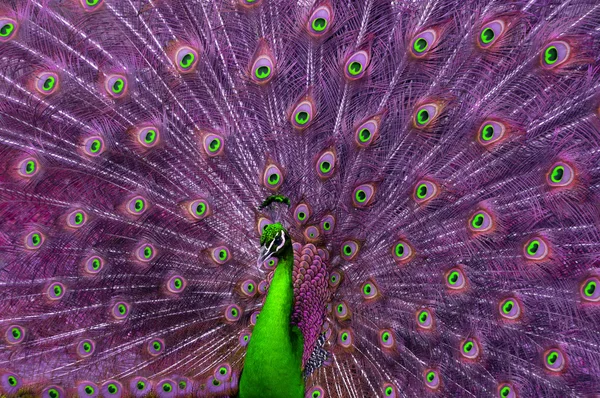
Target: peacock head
[{"x": 274, "y": 241}]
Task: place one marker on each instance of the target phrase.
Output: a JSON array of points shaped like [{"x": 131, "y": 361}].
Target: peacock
[{"x": 299, "y": 199}]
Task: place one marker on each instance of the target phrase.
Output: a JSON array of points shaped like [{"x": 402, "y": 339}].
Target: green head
[{"x": 274, "y": 240}]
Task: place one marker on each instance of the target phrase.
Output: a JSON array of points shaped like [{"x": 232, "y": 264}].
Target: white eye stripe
[{"x": 282, "y": 242}]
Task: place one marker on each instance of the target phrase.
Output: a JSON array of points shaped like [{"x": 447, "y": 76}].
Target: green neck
[{"x": 273, "y": 363}]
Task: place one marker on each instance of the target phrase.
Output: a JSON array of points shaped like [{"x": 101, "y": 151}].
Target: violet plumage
[{"x": 436, "y": 164}]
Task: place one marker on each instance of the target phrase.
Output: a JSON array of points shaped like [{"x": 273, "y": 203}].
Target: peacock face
[{"x": 274, "y": 240}]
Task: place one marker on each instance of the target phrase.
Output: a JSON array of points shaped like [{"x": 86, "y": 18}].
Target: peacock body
[{"x": 268, "y": 198}]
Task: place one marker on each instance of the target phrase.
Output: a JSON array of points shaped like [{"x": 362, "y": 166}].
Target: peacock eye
[
  {"x": 155, "y": 347},
  {"x": 186, "y": 59},
  {"x": 28, "y": 167},
  {"x": 93, "y": 146},
  {"x": 469, "y": 349},
  {"x": 342, "y": 312},
  {"x": 53, "y": 392},
  {"x": 140, "y": 385},
  {"x": 120, "y": 310},
  {"x": 303, "y": 114},
  {"x": 263, "y": 69},
  {"x": 455, "y": 279},
  {"x": 213, "y": 144},
  {"x": 220, "y": 255},
  {"x": 349, "y": 250},
  {"x": 316, "y": 392},
  {"x": 535, "y": 249},
  {"x": 301, "y": 213},
  {"x": 490, "y": 132},
  {"x": 344, "y": 338},
  {"x": 34, "y": 240},
  {"x": 506, "y": 390},
  {"x": 199, "y": 209},
  {"x": 77, "y": 219},
  {"x": 560, "y": 175},
  {"x": 509, "y": 309},
  {"x": 490, "y": 33},
  {"x": 116, "y": 86},
  {"x": 8, "y": 28},
  {"x": 403, "y": 252},
  {"x": 326, "y": 164},
  {"x": 136, "y": 205},
  {"x": 424, "y": 319},
  {"x": 91, "y": 5},
  {"x": 320, "y": 21},
  {"x": 356, "y": 65},
  {"x": 389, "y": 390},
  {"x": 423, "y": 43},
  {"x": 363, "y": 195},
  {"x": 112, "y": 387},
  {"x": 233, "y": 313},
  {"x": 94, "y": 264},
  {"x": 148, "y": 136},
  {"x": 10, "y": 382},
  {"x": 386, "y": 338},
  {"x": 366, "y": 133},
  {"x": 272, "y": 177},
  {"x": 425, "y": 114},
  {"x": 589, "y": 289},
  {"x": 182, "y": 384},
  {"x": 166, "y": 386},
  {"x": 554, "y": 360},
  {"x": 222, "y": 372},
  {"x": 244, "y": 338},
  {"x": 55, "y": 291},
  {"x": 46, "y": 83},
  {"x": 327, "y": 224},
  {"x": 176, "y": 284},
  {"x": 425, "y": 191},
  {"x": 86, "y": 348},
  {"x": 248, "y": 288},
  {"x": 335, "y": 278},
  {"x": 271, "y": 264},
  {"x": 311, "y": 233},
  {"x": 555, "y": 54},
  {"x": 369, "y": 290},
  {"x": 481, "y": 221},
  {"x": 432, "y": 379},
  {"x": 145, "y": 253},
  {"x": 15, "y": 334}
]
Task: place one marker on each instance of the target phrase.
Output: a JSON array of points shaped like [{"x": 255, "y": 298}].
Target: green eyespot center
[
  {"x": 316, "y": 394},
  {"x": 7, "y": 29},
  {"x": 468, "y": 347},
  {"x": 122, "y": 309},
  {"x": 216, "y": 382},
  {"x": 325, "y": 166},
  {"x": 423, "y": 116},
  {"x": 364, "y": 135},
  {"x": 53, "y": 393},
  {"x": 505, "y": 391},
  {"x": 355, "y": 68},
  {"x": 200, "y": 209},
  {"x": 551, "y": 55},
  {"x": 361, "y": 196},
  {"x": 557, "y": 174},
  {"x": 533, "y": 246},
  {"x": 301, "y": 215},
  {"x": 167, "y": 387},
  {"x": 326, "y": 225},
  {"x": 274, "y": 179},
  {"x": 223, "y": 370},
  {"x": 385, "y": 337},
  {"x": 487, "y": 132},
  {"x": 147, "y": 252},
  {"x": 453, "y": 277},
  {"x": 12, "y": 381},
  {"x": 112, "y": 388},
  {"x": 487, "y": 35},
  {"x": 319, "y": 24},
  {"x": 91, "y": 2},
  {"x": 16, "y": 333},
  {"x": 89, "y": 390},
  {"x": 420, "y": 45},
  {"x": 30, "y": 167},
  {"x": 347, "y": 250},
  {"x": 149, "y": 138},
  {"x": 234, "y": 312},
  {"x": 590, "y": 288},
  {"x": 141, "y": 385},
  {"x": 302, "y": 117},
  {"x": 177, "y": 283},
  {"x": 78, "y": 218},
  {"x": 214, "y": 145},
  {"x": 399, "y": 250},
  {"x": 49, "y": 83},
  {"x": 423, "y": 317},
  {"x": 262, "y": 72},
  {"x": 389, "y": 391},
  {"x": 344, "y": 336},
  {"x": 477, "y": 221},
  {"x": 187, "y": 60},
  {"x": 95, "y": 146},
  {"x": 552, "y": 358},
  {"x": 367, "y": 289},
  {"x": 507, "y": 307},
  {"x": 118, "y": 86},
  {"x": 430, "y": 376},
  {"x": 95, "y": 263},
  {"x": 87, "y": 347},
  {"x": 222, "y": 254},
  {"x": 422, "y": 191},
  {"x": 36, "y": 239},
  {"x": 182, "y": 385}
]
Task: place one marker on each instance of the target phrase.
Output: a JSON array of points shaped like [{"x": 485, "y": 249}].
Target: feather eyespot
[
  {"x": 55, "y": 291},
  {"x": 349, "y": 250},
  {"x": 320, "y": 21},
  {"x": 112, "y": 388},
  {"x": 137, "y": 205},
  {"x": 155, "y": 347},
  {"x": 370, "y": 291},
  {"x": 14, "y": 334},
  {"x": 554, "y": 54},
  {"x": 220, "y": 255},
  {"x": 345, "y": 338},
  {"x": 560, "y": 175},
  {"x": 386, "y": 339},
  {"x": 367, "y": 132},
  {"x": 53, "y": 391},
  {"x": 94, "y": 264},
  {"x": 425, "y": 115},
  {"x": 432, "y": 379},
  {"x": 481, "y": 222},
  {"x": 47, "y": 83},
  {"x": 326, "y": 164},
  {"x": 263, "y": 66},
  {"x": 145, "y": 252},
  {"x": 116, "y": 86},
  {"x": 233, "y": 313},
  {"x": 423, "y": 43},
  {"x": 491, "y": 132},
  {"x": 199, "y": 209},
  {"x": 312, "y": 233},
  {"x": 590, "y": 289},
  {"x": 87, "y": 389},
  {"x": 248, "y": 288},
  {"x": 77, "y": 219},
  {"x": 510, "y": 308},
  {"x": 93, "y": 146},
  {"x": 148, "y": 137},
  {"x": 506, "y": 390},
  {"x": 213, "y": 144},
  {"x": 222, "y": 372},
  {"x": 186, "y": 59},
  {"x": 356, "y": 65},
  {"x": 363, "y": 195},
  {"x": 301, "y": 213},
  {"x": 34, "y": 240},
  {"x": 91, "y": 5},
  {"x": 28, "y": 167},
  {"x": 244, "y": 338},
  {"x": 249, "y": 3},
  {"x": 303, "y": 114},
  {"x": 272, "y": 177},
  {"x": 469, "y": 348},
  {"x": 120, "y": 310},
  {"x": 425, "y": 191},
  {"x": 140, "y": 386},
  {"x": 402, "y": 252},
  {"x": 536, "y": 249},
  {"x": 335, "y": 278},
  {"x": 10, "y": 383},
  {"x": 328, "y": 224},
  {"x": 490, "y": 33},
  {"x": 342, "y": 312},
  {"x": 86, "y": 348},
  {"x": 316, "y": 392},
  {"x": 8, "y": 29},
  {"x": 424, "y": 319},
  {"x": 555, "y": 360},
  {"x": 456, "y": 279},
  {"x": 176, "y": 284}
]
